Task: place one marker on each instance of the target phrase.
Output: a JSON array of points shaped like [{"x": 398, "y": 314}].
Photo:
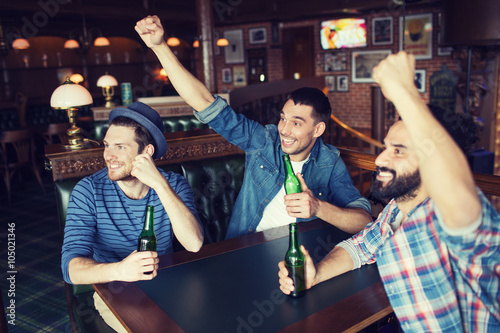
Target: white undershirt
[{"x": 275, "y": 214}]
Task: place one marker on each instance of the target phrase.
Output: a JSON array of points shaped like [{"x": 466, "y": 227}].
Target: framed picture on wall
[
  {"x": 363, "y": 63},
  {"x": 275, "y": 33},
  {"x": 227, "y": 76},
  {"x": 382, "y": 30},
  {"x": 342, "y": 83},
  {"x": 420, "y": 80},
  {"x": 330, "y": 82},
  {"x": 239, "y": 76},
  {"x": 257, "y": 35},
  {"x": 335, "y": 61},
  {"x": 233, "y": 53},
  {"x": 443, "y": 50},
  {"x": 417, "y": 34}
]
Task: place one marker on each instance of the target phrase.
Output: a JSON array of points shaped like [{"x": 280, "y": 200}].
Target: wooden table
[{"x": 232, "y": 286}]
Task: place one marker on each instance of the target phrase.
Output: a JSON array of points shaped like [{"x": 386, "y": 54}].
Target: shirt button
[
  {"x": 267, "y": 200},
  {"x": 262, "y": 167},
  {"x": 320, "y": 193}
]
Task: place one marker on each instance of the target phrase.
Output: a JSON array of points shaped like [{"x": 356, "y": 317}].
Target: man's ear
[
  {"x": 319, "y": 129},
  {"x": 150, "y": 150}
]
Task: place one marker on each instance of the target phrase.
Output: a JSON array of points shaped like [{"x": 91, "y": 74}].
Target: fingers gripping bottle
[{"x": 295, "y": 263}]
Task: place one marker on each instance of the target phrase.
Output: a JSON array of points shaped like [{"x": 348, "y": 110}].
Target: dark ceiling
[{"x": 118, "y": 17}]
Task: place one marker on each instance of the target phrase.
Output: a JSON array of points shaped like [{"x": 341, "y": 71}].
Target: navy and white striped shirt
[{"x": 104, "y": 224}]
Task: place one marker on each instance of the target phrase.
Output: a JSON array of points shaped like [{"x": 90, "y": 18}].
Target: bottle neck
[
  {"x": 294, "y": 236},
  {"x": 149, "y": 218},
  {"x": 288, "y": 166}
]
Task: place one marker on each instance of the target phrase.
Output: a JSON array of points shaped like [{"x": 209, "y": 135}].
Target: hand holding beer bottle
[
  {"x": 295, "y": 263},
  {"x": 292, "y": 184},
  {"x": 147, "y": 238},
  {"x": 294, "y": 258}
]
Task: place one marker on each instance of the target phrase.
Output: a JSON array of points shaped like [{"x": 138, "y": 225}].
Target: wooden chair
[
  {"x": 21, "y": 104},
  {"x": 17, "y": 152}
]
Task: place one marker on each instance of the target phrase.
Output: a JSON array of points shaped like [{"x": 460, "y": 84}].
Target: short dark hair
[
  {"x": 142, "y": 136},
  {"x": 314, "y": 98},
  {"x": 461, "y": 126}
]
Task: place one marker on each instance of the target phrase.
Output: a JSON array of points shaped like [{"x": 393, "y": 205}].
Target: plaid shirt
[{"x": 435, "y": 282}]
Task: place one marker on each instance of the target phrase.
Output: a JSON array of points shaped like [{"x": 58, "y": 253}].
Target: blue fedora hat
[{"x": 147, "y": 117}]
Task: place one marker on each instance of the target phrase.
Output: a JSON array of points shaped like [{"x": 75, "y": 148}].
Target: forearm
[
  {"x": 185, "y": 225},
  {"x": 88, "y": 271},
  {"x": 337, "y": 262},
  {"x": 351, "y": 220},
  {"x": 444, "y": 169},
  {"x": 189, "y": 88}
]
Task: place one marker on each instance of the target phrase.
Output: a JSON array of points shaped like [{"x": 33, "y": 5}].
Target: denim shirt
[{"x": 325, "y": 173}]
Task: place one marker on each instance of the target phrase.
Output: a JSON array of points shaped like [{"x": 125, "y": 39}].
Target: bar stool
[{"x": 17, "y": 152}]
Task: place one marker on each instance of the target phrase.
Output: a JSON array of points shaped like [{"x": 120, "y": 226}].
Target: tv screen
[{"x": 343, "y": 33}]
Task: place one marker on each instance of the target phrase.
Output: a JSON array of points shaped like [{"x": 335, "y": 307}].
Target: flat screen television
[{"x": 343, "y": 33}]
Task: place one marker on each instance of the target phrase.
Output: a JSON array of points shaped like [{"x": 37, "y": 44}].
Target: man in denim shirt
[{"x": 328, "y": 192}]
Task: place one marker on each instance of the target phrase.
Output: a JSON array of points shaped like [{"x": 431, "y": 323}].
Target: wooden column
[{"x": 205, "y": 19}]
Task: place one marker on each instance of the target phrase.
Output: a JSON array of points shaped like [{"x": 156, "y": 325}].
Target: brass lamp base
[
  {"x": 109, "y": 104},
  {"x": 76, "y": 140},
  {"x": 108, "y": 92}
]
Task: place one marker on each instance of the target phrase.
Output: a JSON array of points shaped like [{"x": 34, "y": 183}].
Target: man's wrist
[{"x": 160, "y": 46}]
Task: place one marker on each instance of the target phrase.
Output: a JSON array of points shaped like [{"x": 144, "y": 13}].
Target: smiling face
[
  {"x": 397, "y": 168},
  {"x": 120, "y": 150},
  {"x": 298, "y": 130}
]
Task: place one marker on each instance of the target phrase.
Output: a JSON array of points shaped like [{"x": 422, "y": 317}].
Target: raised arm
[
  {"x": 445, "y": 172},
  {"x": 192, "y": 90}
]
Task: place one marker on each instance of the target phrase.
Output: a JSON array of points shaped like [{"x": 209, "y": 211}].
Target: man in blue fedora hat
[{"x": 106, "y": 210}]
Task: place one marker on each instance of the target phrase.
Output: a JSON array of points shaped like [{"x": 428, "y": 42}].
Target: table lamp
[
  {"x": 107, "y": 82},
  {"x": 70, "y": 96}
]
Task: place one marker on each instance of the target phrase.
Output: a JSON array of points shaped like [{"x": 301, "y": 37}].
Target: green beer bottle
[
  {"x": 292, "y": 184},
  {"x": 295, "y": 263},
  {"x": 147, "y": 238}
]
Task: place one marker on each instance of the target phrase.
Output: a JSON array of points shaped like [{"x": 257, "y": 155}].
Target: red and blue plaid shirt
[{"x": 435, "y": 281}]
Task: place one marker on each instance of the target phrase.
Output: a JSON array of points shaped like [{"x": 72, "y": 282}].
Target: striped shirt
[
  {"x": 104, "y": 224},
  {"x": 437, "y": 280}
]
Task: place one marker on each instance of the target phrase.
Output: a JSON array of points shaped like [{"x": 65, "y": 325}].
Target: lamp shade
[
  {"x": 173, "y": 41},
  {"x": 76, "y": 78},
  {"x": 71, "y": 44},
  {"x": 107, "y": 81},
  {"x": 20, "y": 44},
  {"x": 101, "y": 41},
  {"x": 222, "y": 42},
  {"x": 70, "y": 95}
]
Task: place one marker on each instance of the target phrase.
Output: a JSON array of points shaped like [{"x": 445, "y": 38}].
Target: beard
[
  {"x": 124, "y": 175},
  {"x": 401, "y": 188}
]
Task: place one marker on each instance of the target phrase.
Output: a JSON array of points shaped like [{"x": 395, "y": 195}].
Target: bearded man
[{"x": 437, "y": 242}]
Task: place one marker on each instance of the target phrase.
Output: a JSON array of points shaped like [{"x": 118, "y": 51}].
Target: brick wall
[{"x": 352, "y": 107}]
